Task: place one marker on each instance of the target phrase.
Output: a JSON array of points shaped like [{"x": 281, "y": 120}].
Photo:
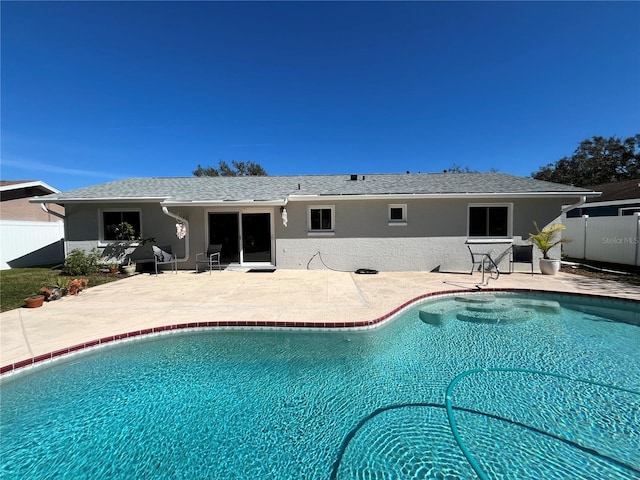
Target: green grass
[{"x": 18, "y": 283}]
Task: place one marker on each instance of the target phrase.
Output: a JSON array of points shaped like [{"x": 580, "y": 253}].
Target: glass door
[
  {"x": 223, "y": 230},
  {"x": 256, "y": 237}
]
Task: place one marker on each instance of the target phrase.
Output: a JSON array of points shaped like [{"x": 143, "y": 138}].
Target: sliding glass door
[
  {"x": 245, "y": 236},
  {"x": 256, "y": 237}
]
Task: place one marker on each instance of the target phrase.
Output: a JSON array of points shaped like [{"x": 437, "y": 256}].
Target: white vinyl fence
[
  {"x": 604, "y": 239},
  {"x": 25, "y": 244}
]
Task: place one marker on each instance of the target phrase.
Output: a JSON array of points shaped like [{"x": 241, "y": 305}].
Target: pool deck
[{"x": 146, "y": 303}]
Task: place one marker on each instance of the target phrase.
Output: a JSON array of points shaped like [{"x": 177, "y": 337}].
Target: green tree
[
  {"x": 455, "y": 168},
  {"x": 596, "y": 160},
  {"x": 237, "y": 169}
]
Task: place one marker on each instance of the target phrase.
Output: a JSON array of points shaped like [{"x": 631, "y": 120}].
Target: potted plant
[
  {"x": 34, "y": 300},
  {"x": 51, "y": 292},
  {"x": 76, "y": 285},
  {"x": 545, "y": 240},
  {"x": 129, "y": 268},
  {"x": 113, "y": 268}
]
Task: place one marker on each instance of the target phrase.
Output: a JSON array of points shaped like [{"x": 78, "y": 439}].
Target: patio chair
[
  {"x": 521, "y": 254},
  {"x": 209, "y": 258},
  {"x": 163, "y": 256},
  {"x": 477, "y": 258}
]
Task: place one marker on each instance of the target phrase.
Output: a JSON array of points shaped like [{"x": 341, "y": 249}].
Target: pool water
[{"x": 344, "y": 404}]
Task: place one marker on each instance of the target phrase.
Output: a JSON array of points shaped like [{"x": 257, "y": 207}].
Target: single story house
[
  {"x": 385, "y": 222},
  {"x": 617, "y": 199}
]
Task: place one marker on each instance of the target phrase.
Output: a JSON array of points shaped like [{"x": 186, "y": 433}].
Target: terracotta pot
[
  {"x": 34, "y": 302},
  {"x": 113, "y": 269}
]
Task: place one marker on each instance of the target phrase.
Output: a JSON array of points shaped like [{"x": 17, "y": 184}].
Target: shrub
[{"x": 79, "y": 262}]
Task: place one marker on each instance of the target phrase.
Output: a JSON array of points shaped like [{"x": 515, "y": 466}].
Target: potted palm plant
[{"x": 545, "y": 240}]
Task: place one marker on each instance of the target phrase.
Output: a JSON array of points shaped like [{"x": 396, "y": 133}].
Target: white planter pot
[
  {"x": 549, "y": 266},
  {"x": 128, "y": 269}
]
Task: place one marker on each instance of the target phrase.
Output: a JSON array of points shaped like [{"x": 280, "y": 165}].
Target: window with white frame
[
  {"x": 397, "y": 214},
  {"x": 489, "y": 220},
  {"x": 321, "y": 219},
  {"x": 121, "y": 225}
]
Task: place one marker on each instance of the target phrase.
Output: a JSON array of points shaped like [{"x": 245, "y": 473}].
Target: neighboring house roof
[
  {"x": 276, "y": 189},
  {"x": 623, "y": 190},
  {"x": 37, "y": 185}
]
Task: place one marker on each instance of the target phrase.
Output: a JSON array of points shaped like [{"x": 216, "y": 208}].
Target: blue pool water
[{"x": 346, "y": 405}]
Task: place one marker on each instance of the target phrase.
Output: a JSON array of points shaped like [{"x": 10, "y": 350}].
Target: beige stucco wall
[
  {"x": 435, "y": 236},
  {"x": 83, "y": 226}
]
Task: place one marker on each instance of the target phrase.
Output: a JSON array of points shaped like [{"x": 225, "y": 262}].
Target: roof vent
[{"x": 354, "y": 178}]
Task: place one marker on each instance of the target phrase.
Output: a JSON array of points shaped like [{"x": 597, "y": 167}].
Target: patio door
[
  {"x": 223, "y": 230},
  {"x": 245, "y": 236},
  {"x": 256, "y": 237}
]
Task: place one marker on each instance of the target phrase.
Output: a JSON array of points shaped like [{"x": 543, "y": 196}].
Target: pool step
[
  {"x": 490, "y": 307},
  {"x": 433, "y": 314},
  {"x": 514, "y": 315},
  {"x": 475, "y": 298}
]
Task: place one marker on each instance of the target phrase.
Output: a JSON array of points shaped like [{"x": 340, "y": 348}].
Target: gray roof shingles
[{"x": 202, "y": 189}]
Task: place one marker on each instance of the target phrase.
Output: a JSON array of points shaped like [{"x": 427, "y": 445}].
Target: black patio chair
[{"x": 521, "y": 254}]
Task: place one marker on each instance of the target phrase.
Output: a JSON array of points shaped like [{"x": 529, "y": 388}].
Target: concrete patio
[{"x": 142, "y": 302}]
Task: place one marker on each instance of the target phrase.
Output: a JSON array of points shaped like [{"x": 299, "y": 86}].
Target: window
[
  {"x": 629, "y": 211},
  {"x": 121, "y": 225},
  {"x": 397, "y": 214},
  {"x": 321, "y": 219},
  {"x": 489, "y": 221}
]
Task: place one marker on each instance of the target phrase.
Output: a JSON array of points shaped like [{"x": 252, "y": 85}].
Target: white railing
[
  {"x": 24, "y": 244},
  {"x": 604, "y": 239}
]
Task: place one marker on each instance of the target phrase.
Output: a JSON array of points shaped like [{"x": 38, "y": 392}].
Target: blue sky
[{"x": 96, "y": 91}]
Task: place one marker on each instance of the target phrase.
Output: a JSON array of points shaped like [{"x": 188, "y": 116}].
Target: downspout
[
  {"x": 580, "y": 202},
  {"x": 44, "y": 207},
  {"x": 166, "y": 211}
]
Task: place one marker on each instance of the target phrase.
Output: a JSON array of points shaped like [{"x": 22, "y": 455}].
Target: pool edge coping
[{"x": 12, "y": 368}]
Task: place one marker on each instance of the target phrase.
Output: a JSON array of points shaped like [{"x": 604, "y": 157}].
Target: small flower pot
[
  {"x": 34, "y": 302},
  {"x": 113, "y": 269}
]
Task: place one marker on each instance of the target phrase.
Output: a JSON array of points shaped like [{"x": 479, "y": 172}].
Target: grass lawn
[{"x": 18, "y": 283}]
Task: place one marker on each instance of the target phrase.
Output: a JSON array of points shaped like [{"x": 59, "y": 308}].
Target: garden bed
[{"x": 18, "y": 283}]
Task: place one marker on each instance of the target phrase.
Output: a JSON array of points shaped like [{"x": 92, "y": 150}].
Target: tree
[
  {"x": 238, "y": 169},
  {"x": 455, "y": 168},
  {"x": 596, "y": 160}
]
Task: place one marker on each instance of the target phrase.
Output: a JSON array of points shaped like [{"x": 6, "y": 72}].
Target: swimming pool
[{"x": 345, "y": 404}]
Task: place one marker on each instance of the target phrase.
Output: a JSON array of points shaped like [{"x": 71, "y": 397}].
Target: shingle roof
[
  {"x": 622, "y": 190},
  {"x": 253, "y": 188}
]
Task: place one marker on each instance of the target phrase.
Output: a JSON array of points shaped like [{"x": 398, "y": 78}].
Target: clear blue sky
[{"x": 93, "y": 92}]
